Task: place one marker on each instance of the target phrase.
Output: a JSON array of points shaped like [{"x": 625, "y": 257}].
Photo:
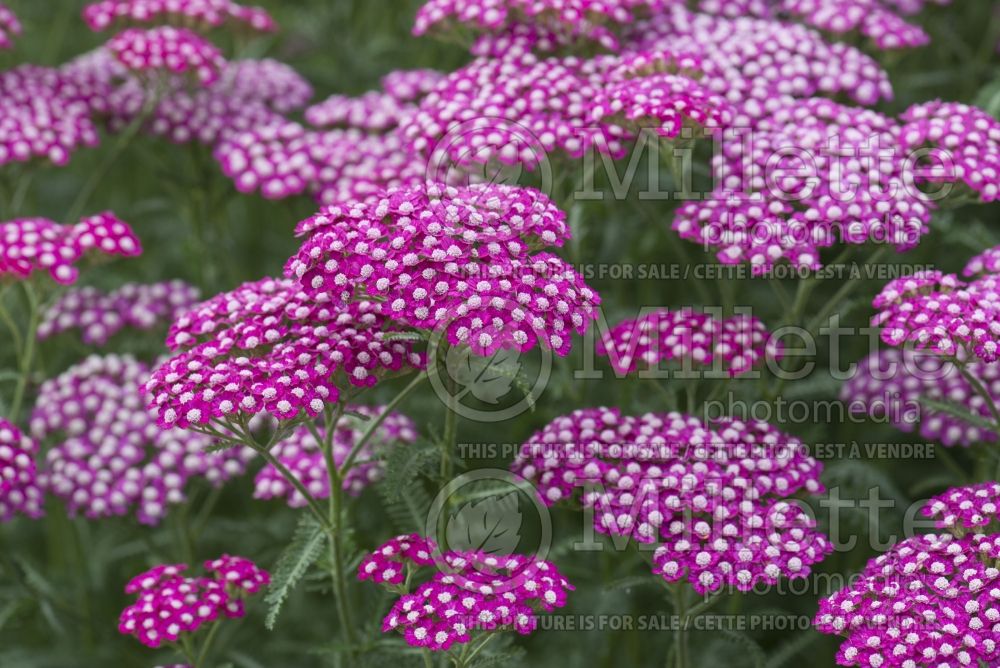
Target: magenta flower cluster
[
  {"x": 714, "y": 498},
  {"x": 932, "y": 600},
  {"x": 942, "y": 313},
  {"x": 170, "y": 605},
  {"x": 205, "y": 14},
  {"x": 166, "y": 48},
  {"x": 10, "y": 27},
  {"x": 728, "y": 346},
  {"x": 20, "y": 493},
  {"x": 893, "y": 385},
  {"x": 108, "y": 456},
  {"x": 303, "y": 456},
  {"x": 469, "y": 593},
  {"x": 269, "y": 347},
  {"x": 99, "y": 315},
  {"x": 30, "y": 245}
]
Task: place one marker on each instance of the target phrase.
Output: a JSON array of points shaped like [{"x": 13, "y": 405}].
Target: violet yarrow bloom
[
  {"x": 469, "y": 594},
  {"x": 99, "y": 316},
  {"x": 890, "y": 386},
  {"x": 942, "y": 313},
  {"x": 109, "y": 457},
  {"x": 875, "y": 19},
  {"x": 411, "y": 85},
  {"x": 986, "y": 262},
  {"x": 731, "y": 346},
  {"x": 269, "y": 347},
  {"x": 456, "y": 260},
  {"x": 167, "y": 49},
  {"x": 967, "y": 140},
  {"x": 772, "y": 203},
  {"x": 714, "y": 497},
  {"x": 374, "y": 110},
  {"x": 204, "y": 14},
  {"x": 170, "y": 605},
  {"x": 44, "y": 116},
  {"x": 932, "y": 600},
  {"x": 10, "y": 27},
  {"x": 302, "y": 455},
  {"x": 31, "y": 245},
  {"x": 20, "y": 493}
]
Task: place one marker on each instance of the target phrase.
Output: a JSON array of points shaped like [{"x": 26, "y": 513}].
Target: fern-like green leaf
[{"x": 305, "y": 548}]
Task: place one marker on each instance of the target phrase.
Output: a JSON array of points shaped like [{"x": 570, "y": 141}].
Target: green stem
[
  {"x": 374, "y": 424},
  {"x": 981, "y": 390},
  {"x": 680, "y": 633},
  {"x": 28, "y": 353},
  {"x": 203, "y": 654}
]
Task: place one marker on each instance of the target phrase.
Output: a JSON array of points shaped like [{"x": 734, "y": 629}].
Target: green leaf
[
  {"x": 753, "y": 649},
  {"x": 959, "y": 412},
  {"x": 792, "y": 649},
  {"x": 305, "y": 548},
  {"x": 630, "y": 582}
]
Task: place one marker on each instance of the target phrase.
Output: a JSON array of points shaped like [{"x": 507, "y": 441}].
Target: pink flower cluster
[
  {"x": 99, "y": 316},
  {"x": 968, "y": 139},
  {"x": 372, "y": 111},
  {"x": 202, "y": 13},
  {"x": 932, "y": 599},
  {"x": 303, "y": 456},
  {"x": 37, "y": 244},
  {"x": 10, "y": 27},
  {"x": 732, "y": 346},
  {"x": 942, "y": 313},
  {"x": 269, "y": 347},
  {"x": 178, "y": 51},
  {"x": 454, "y": 258},
  {"x": 877, "y": 20},
  {"x": 20, "y": 493},
  {"x": 170, "y": 604},
  {"x": 890, "y": 385},
  {"x": 564, "y": 21},
  {"x": 109, "y": 455},
  {"x": 43, "y": 116},
  {"x": 470, "y": 592},
  {"x": 714, "y": 497}
]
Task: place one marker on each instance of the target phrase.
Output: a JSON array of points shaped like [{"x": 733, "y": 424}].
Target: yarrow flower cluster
[
  {"x": 175, "y": 50},
  {"x": 714, "y": 497},
  {"x": 170, "y": 605},
  {"x": 731, "y": 345},
  {"x": 303, "y": 456},
  {"x": 31, "y": 245},
  {"x": 20, "y": 493},
  {"x": 267, "y": 346},
  {"x": 469, "y": 593},
  {"x": 878, "y": 20},
  {"x": 99, "y": 316},
  {"x": 10, "y": 27},
  {"x": 891, "y": 384},
  {"x": 942, "y": 313},
  {"x": 205, "y": 14},
  {"x": 933, "y": 599},
  {"x": 109, "y": 457},
  {"x": 44, "y": 116},
  {"x": 453, "y": 258}
]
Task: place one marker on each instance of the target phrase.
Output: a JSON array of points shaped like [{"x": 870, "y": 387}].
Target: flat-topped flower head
[
  {"x": 799, "y": 183},
  {"x": 302, "y": 455},
  {"x": 268, "y": 347},
  {"x": 469, "y": 593},
  {"x": 932, "y": 599},
  {"x": 878, "y": 20},
  {"x": 713, "y": 497},
  {"x": 733, "y": 346},
  {"x": 170, "y": 50},
  {"x": 987, "y": 262},
  {"x": 759, "y": 65},
  {"x": 20, "y": 493},
  {"x": 458, "y": 260},
  {"x": 204, "y": 14},
  {"x": 893, "y": 384},
  {"x": 30, "y": 245},
  {"x": 44, "y": 116},
  {"x": 967, "y": 140},
  {"x": 10, "y": 27},
  {"x": 411, "y": 85},
  {"x": 98, "y": 316},
  {"x": 170, "y": 606},
  {"x": 108, "y": 456},
  {"x": 941, "y": 313},
  {"x": 374, "y": 110}
]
